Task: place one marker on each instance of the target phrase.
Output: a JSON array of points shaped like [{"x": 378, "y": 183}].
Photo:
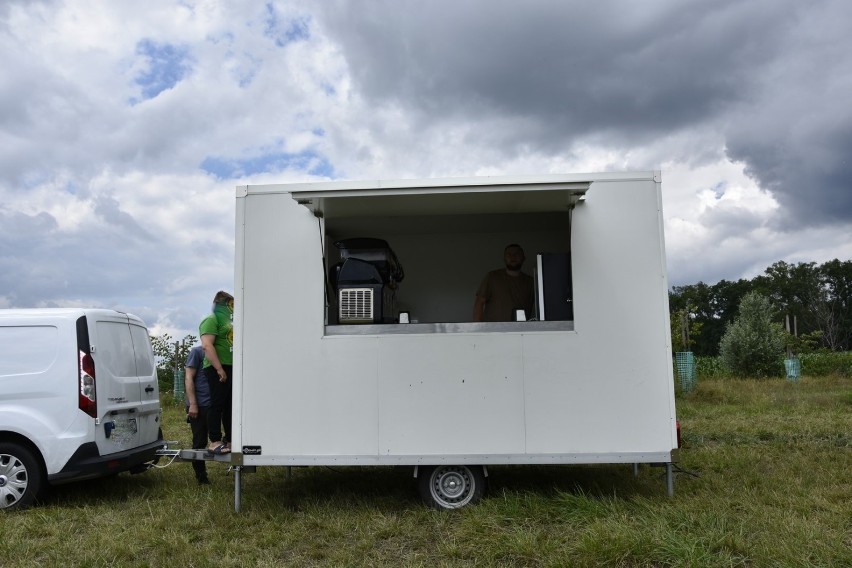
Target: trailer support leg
[
  {"x": 670, "y": 479},
  {"x": 635, "y": 470},
  {"x": 237, "y": 488}
]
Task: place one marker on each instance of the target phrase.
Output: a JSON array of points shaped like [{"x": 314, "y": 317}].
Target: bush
[
  {"x": 821, "y": 364},
  {"x": 827, "y": 364},
  {"x": 166, "y": 380},
  {"x": 710, "y": 368},
  {"x": 753, "y": 344}
]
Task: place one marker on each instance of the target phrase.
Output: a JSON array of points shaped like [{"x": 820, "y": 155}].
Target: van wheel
[
  {"x": 20, "y": 477},
  {"x": 447, "y": 487}
]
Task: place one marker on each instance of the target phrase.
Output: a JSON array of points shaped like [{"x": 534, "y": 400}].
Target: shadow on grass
[
  {"x": 391, "y": 488},
  {"x": 383, "y": 489},
  {"x": 589, "y": 480},
  {"x": 113, "y": 489}
]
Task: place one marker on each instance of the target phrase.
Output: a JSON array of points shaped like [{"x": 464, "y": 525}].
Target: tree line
[
  {"x": 816, "y": 299},
  {"x": 170, "y": 355}
]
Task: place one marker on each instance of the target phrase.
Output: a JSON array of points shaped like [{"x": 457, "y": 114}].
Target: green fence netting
[
  {"x": 685, "y": 361},
  {"x": 793, "y": 367},
  {"x": 180, "y": 387}
]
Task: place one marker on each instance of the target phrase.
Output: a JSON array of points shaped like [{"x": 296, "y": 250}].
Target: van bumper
[{"x": 87, "y": 463}]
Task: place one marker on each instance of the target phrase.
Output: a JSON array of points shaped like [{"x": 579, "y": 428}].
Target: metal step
[{"x": 190, "y": 454}]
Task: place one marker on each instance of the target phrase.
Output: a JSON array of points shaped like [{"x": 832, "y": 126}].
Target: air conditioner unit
[{"x": 366, "y": 279}]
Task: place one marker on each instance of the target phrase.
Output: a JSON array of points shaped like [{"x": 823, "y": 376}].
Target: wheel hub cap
[
  {"x": 452, "y": 485},
  {"x": 13, "y": 480}
]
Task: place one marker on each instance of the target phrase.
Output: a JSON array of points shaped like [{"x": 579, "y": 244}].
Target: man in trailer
[{"x": 505, "y": 290}]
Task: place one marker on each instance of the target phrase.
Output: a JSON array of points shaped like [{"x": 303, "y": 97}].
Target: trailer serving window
[{"x": 422, "y": 252}]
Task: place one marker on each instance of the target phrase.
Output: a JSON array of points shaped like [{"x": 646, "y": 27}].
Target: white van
[{"x": 78, "y": 399}]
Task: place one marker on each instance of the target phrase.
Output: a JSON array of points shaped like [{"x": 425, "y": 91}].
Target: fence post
[
  {"x": 179, "y": 376},
  {"x": 792, "y": 364}
]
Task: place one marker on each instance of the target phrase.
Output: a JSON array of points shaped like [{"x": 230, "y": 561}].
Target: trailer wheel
[
  {"x": 447, "y": 487},
  {"x": 20, "y": 477}
]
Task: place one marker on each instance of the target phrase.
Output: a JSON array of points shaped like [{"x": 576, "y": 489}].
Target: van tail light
[
  {"x": 88, "y": 402},
  {"x": 679, "y": 439}
]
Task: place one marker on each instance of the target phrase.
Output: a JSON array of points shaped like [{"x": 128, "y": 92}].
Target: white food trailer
[{"x": 325, "y": 373}]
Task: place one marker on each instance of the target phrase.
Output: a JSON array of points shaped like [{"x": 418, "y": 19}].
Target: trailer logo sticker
[{"x": 252, "y": 450}]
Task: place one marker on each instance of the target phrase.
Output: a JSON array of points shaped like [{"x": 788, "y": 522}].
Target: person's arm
[
  {"x": 483, "y": 293},
  {"x": 210, "y": 353},
  {"x": 189, "y": 385},
  {"x": 478, "y": 308}
]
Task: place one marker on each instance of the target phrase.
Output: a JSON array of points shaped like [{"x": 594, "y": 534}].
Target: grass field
[{"x": 772, "y": 486}]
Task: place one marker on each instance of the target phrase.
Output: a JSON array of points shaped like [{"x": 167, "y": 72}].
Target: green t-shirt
[{"x": 221, "y": 324}]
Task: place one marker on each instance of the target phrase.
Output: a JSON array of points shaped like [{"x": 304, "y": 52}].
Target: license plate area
[{"x": 121, "y": 429}]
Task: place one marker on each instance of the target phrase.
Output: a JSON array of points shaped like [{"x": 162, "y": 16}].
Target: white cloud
[{"x": 118, "y": 197}]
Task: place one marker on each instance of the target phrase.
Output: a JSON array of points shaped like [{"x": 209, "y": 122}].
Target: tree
[
  {"x": 835, "y": 317},
  {"x": 795, "y": 291},
  {"x": 169, "y": 356},
  {"x": 753, "y": 344},
  {"x": 696, "y": 299},
  {"x": 685, "y": 329},
  {"x": 712, "y": 307},
  {"x": 818, "y": 298}
]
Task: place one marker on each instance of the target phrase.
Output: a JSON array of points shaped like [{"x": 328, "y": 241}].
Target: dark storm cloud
[
  {"x": 730, "y": 221},
  {"x": 622, "y": 74},
  {"x": 6, "y": 7},
  {"x": 21, "y": 235},
  {"x": 18, "y": 226},
  {"x": 808, "y": 170},
  {"x": 110, "y": 211},
  {"x": 94, "y": 262},
  {"x": 589, "y": 68}
]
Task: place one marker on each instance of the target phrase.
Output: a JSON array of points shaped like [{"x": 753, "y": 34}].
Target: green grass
[{"x": 774, "y": 488}]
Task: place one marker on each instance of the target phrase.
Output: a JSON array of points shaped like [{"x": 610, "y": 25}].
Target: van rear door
[
  {"x": 128, "y": 399},
  {"x": 146, "y": 372}
]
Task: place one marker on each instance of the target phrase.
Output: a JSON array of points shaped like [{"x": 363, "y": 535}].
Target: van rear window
[
  {"x": 125, "y": 349},
  {"x": 115, "y": 348},
  {"x": 144, "y": 353},
  {"x": 30, "y": 349}
]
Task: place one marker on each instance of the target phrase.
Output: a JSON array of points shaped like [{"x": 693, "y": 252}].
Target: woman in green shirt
[{"x": 217, "y": 339}]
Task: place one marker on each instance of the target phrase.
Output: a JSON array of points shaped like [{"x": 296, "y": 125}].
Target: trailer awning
[
  {"x": 408, "y": 206},
  {"x": 503, "y": 195}
]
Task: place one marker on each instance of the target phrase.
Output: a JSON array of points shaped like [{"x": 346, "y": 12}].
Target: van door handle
[{"x": 149, "y": 388}]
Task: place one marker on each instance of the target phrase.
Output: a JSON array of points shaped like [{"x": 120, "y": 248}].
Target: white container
[{"x": 448, "y": 394}]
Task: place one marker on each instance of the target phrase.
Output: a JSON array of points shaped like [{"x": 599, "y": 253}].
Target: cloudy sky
[{"x": 126, "y": 126}]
